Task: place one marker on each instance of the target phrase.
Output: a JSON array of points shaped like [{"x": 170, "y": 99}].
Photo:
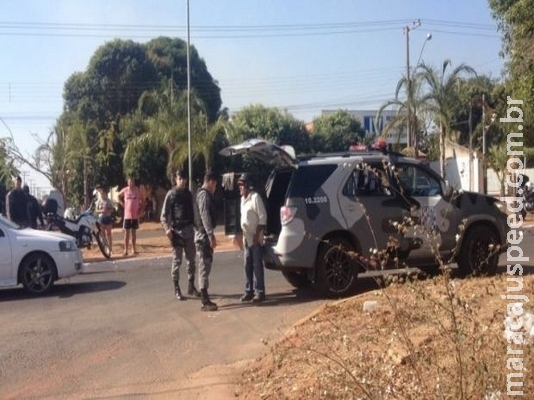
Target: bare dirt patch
[
  {"x": 435, "y": 338},
  {"x": 154, "y": 245}
]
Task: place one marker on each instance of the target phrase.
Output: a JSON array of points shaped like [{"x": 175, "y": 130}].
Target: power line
[{"x": 55, "y": 29}]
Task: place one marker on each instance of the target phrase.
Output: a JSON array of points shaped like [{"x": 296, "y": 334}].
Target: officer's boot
[
  {"x": 207, "y": 304},
  {"x": 177, "y": 291},
  {"x": 192, "y": 290}
]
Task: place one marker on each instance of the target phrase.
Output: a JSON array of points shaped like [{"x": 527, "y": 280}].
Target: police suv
[{"x": 333, "y": 216}]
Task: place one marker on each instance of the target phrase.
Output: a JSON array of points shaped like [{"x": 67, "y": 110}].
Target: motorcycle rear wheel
[{"x": 103, "y": 244}]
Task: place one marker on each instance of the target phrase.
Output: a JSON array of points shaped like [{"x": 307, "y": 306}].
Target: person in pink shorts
[{"x": 130, "y": 199}]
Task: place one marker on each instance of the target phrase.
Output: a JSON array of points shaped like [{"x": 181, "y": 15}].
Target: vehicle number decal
[{"x": 315, "y": 199}]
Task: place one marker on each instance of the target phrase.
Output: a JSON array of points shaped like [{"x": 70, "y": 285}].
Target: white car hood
[{"x": 45, "y": 235}]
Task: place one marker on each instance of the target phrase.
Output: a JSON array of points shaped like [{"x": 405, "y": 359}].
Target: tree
[
  {"x": 440, "y": 96},
  {"x": 120, "y": 77},
  {"x": 497, "y": 160},
  {"x": 7, "y": 171},
  {"x": 205, "y": 141},
  {"x": 515, "y": 18},
  {"x": 336, "y": 132},
  {"x": 420, "y": 117},
  {"x": 169, "y": 57},
  {"x": 39, "y": 161},
  {"x": 166, "y": 128},
  {"x": 475, "y": 98},
  {"x": 269, "y": 123}
]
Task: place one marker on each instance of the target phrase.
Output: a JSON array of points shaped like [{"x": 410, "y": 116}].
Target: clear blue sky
[{"x": 301, "y": 55}]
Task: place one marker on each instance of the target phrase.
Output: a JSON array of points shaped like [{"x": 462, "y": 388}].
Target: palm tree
[
  {"x": 165, "y": 126},
  {"x": 441, "y": 94},
  {"x": 204, "y": 140},
  {"x": 401, "y": 105}
]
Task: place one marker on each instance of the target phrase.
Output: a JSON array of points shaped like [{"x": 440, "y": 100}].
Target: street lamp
[
  {"x": 427, "y": 39},
  {"x": 415, "y": 142},
  {"x": 407, "y": 29}
]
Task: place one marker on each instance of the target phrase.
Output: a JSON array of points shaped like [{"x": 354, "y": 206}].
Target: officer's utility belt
[{"x": 181, "y": 225}]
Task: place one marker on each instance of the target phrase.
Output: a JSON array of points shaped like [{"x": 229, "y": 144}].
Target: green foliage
[
  {"x": 440, "y": 95},
  {"x": 515, "y": 19},
  {"x": 269, "y": 123},
  {"x": 7, "y": 171},
  {"x": 120, "y": 72},
  {"x": 169, "y": 57},
  {"x": 336, "y": 132},
  {"x": 496, "y": 159},
  {"x": 7, "y": 167},
  {"x": 468, "y": 111},
  {"x": 147, "y": 163},
  {"x": 429, "y": 145},
  {"x": 272, "y": 124},
  {"x": 131, "y": 91}
]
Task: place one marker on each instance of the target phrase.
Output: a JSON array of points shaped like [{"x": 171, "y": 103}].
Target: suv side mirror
[{"x": 448, "y": 190}]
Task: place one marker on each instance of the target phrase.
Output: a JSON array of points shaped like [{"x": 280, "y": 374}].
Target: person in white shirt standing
[{"x": 253, "y": 222}]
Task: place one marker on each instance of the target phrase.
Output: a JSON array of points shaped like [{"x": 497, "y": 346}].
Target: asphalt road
[{"x": 117, "y": 331}]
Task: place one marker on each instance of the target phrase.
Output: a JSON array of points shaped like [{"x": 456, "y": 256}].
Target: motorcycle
[
  {"x": 82, "y": 227},
  {"x": 527, "y": 192},
  {"x": 529, "y": 198}
]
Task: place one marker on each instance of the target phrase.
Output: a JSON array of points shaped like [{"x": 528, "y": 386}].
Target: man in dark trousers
[
  {"x": 253, "y": 222},
  {"x": 16, "y": 204},
  {"x": 34, "y": 208},
  {"x": 177, "y": 219},
  {"x": 205, "y": 236}
]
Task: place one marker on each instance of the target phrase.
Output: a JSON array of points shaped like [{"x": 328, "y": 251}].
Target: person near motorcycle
[
  {"x": 177, "y": 218},
  {"x": 35, "y": 213},
  {"x": 16, "y": 204},
  {"x": 525, "y": 187},
  {"x": 104, "y": 209},
  {"x": 130, "y": 199}
]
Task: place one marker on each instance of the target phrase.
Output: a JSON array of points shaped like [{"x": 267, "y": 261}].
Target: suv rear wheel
[{"x": 337, "y": 268}]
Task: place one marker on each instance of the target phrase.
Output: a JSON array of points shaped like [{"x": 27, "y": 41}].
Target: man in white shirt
[{"x": 253, "y": 221}]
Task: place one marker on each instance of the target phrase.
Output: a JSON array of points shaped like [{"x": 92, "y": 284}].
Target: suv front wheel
[
  {"x": 479, "y": 254},
  {"x": 337, "y": 268}
]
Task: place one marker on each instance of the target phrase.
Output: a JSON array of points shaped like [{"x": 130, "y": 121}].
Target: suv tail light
[{"x": 287, "y": 214}]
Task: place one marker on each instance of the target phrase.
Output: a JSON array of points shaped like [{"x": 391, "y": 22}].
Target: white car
[{"x": 34, "y": 258}]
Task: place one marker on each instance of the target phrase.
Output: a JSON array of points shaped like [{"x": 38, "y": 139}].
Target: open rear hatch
[
  {"x": 267, "y": 152},
  {"x": 282, "y": 159}
]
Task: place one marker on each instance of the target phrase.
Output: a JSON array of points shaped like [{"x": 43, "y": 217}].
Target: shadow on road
[
  {"x": 295, "y": 296},
  {"x": 63, "y": 290},
  {"x": 272, "y": 299}
]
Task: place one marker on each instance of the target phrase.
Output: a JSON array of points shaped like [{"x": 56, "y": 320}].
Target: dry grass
[
  {"x": 431, "y": 339},
  {"x": 438, "y": 338}
]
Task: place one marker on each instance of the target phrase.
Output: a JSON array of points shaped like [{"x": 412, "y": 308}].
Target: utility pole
[
  {"x": 24, "y": 174},
  {"x": 471, "y": 145},
  {"x": 483, "y": 125},
  {"x": 190, "y": 156},
  {"x": 407, "y": 30},
  {"x": 485, "y": 128}
]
